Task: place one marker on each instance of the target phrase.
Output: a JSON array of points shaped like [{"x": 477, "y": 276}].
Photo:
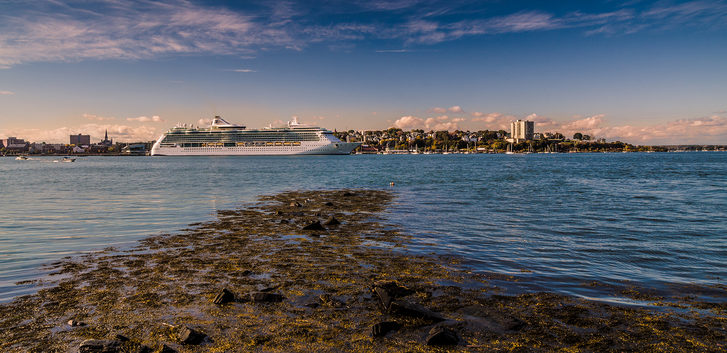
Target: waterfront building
[
  {"x": 106, "y": 142},
  {"x": 80, "y": 140},
  {"x": 522, "y": 130},
  {"x": 15, "y": 144}
]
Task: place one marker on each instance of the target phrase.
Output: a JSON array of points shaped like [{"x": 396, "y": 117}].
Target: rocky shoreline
[{"x": 318, "y": 271}]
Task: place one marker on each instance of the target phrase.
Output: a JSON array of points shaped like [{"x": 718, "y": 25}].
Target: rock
[
  {"x": 246, "y": 272},
  {"x": 442, "y": 336},
  {"x": 74, "y": 323},
  {"x": 121, "y": 338},
  {"x": 387, "y": 291},
  {"x": 166, "y": 349},
  {"x": 143, "y": 349},
  {"x": 483, "y": 317},
  {"x": 279, "y": 213},
  {"x": 328, "y": 204},
  {"x": 318, "y": 214},
  {"x": 384, "y": 297},
  {"x": 190, "y": 336},
  {"x": 382, "y": 328},
  {"x": 225, "y": 296},
  {"x": 394, "y": 289},
  {"x": 295, "y": 204},
  {"x": 405, "y": 308},
  {"x": 264, "y": 297},
  {"x": 99, "y": 346},
  {"x": 314, "y": 226},
  {"x": 332, "y": 221},
  {"x": 284, "y": 221},
  {"x": 348, "y": 194}
]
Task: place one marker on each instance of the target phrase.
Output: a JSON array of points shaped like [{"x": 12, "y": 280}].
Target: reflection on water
[{"x": 557, "y": 221}]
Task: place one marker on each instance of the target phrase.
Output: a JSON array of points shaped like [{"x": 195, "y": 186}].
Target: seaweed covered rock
[
  {"x": 382, "y": 328},
  {"x": 314, "y": 226},
  {"x": 189, "y": 335},
  {"x": 265, "y": 297},
  {"x": 225, "y": 296},
  {"x": 442, "y": 336},
  {"x": 99, "y": 346}
]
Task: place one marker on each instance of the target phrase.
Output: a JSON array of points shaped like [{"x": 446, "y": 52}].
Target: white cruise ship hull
[{"x": 304, "y": 148}]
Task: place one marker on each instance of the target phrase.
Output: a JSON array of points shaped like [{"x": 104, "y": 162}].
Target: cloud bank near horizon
[{"x": 701, "y": 130}]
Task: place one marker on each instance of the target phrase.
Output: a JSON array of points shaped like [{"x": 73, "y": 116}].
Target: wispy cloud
[
  {"x": 6, "y": 93},
  {"x": 97, "y": 117},
  {"x": 77, "y": 30},
  {"x": 243, "y": 70},
  {"x": 439, "y": 123},
  {"x": 146, "y": 119}
]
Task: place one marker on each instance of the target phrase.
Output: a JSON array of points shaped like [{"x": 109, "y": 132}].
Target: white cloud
[
  {"x": 433, "y": 123},
  {"x": 146, "y": 119},
  {"x": 456, "y": 109},
  {"x": 6, "y": 93},
  {"x": 244, "y": 70},
  {"x": 409, "y": 122},
  {"x": 439, "y": 110},
  {"x": 96, "y": 117}
]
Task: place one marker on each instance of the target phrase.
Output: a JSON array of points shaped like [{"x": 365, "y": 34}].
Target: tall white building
[{"x": 522, "y": 130}]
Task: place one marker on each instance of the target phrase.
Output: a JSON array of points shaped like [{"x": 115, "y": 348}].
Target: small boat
[
  {"x": 68, "y": 160},
  {"x": 21, "y": 158}
]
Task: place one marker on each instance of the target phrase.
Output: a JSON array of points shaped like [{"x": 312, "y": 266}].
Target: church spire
[{"x": 106, "y": 136}]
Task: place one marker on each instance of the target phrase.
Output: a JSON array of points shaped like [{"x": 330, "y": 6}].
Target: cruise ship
[{"x": 223, "y": 138}]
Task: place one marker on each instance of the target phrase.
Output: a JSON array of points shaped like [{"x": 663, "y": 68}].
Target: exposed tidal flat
[
  {"x": 271, "y": 277},
  {"x": 642, "y": 230}
]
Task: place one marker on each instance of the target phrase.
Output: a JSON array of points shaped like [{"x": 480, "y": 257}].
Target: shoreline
[{"x": 330, "y": 288}]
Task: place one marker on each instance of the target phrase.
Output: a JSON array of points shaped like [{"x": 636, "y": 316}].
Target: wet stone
[
  {"x": 384, "y": 297},
  {"x": 190, "y": 336},
  {"x": 75, "y": 323},
  {"x": 314, "y": 226},
  {"x": 295, "y": 204},
  {"x": 328, "y": 204},
  {"x": 165, "y": 349},
  {"x": 412, "y": 310},
  {"x": 332, "y": 221},
  {"x": 382, "y": 328},
  {"x": 225, "y": 296},
  {"x": 442, "y": 336},
  {"x": 99, "y": 346}
]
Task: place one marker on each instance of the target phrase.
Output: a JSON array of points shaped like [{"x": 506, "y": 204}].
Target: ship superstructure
[{"x": 223, "y": 138}]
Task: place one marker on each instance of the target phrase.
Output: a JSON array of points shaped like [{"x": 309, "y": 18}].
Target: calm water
[{"x": 554, "y": 220}]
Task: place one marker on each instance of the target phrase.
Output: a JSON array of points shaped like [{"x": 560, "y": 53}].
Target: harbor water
[{"x": 553, "y": 222}]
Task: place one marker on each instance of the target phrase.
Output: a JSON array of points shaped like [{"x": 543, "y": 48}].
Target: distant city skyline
[{"x": 643, "y": 72}]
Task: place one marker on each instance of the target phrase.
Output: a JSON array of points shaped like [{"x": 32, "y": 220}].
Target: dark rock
[
  {"x": 75, "y": 323},
  {"x": 225, "y": 296},
  {"x": 313, "y": 304},
  {"x": 482, "y": 317},
  {"x": 442, "y": 336},
  {"x": 314, "y": 226},
  {"x": 284, "y": 221},
  {"x": 295, "y": 204},
  {"x": 348, "y": 194},
  {"x": 264, "y": 297},
  {"x": 318, "y": 214},
  {"x": 246, "y": 273},
  {"x": 121, "y": 338},
  {"x": 394, "y": 289},
  {"x": 328, "y": 204},
  {"x": 99, "y": 346},
  {"x": 382, "y": 328},
  {"x": 166, "y": 349},
  {"x": 332, "y": 221},
  {"x": 190, "y": 336},
  {"x": 408, "y": 309},
  {"x": 384, "y": 297},
  {"x": 142, "y": 349},
  {"x": 279, "y": 212}
]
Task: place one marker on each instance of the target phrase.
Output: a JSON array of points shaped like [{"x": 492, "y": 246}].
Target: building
[
  {"x": 15, "y": 144},
  {"x": 522, "y": 130},
  {"x": 80, "y": 140},
  {"x": 106, "y": 142}
]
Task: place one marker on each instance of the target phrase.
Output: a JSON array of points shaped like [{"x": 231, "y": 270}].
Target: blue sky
[{"x": 645, "y": 72}]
